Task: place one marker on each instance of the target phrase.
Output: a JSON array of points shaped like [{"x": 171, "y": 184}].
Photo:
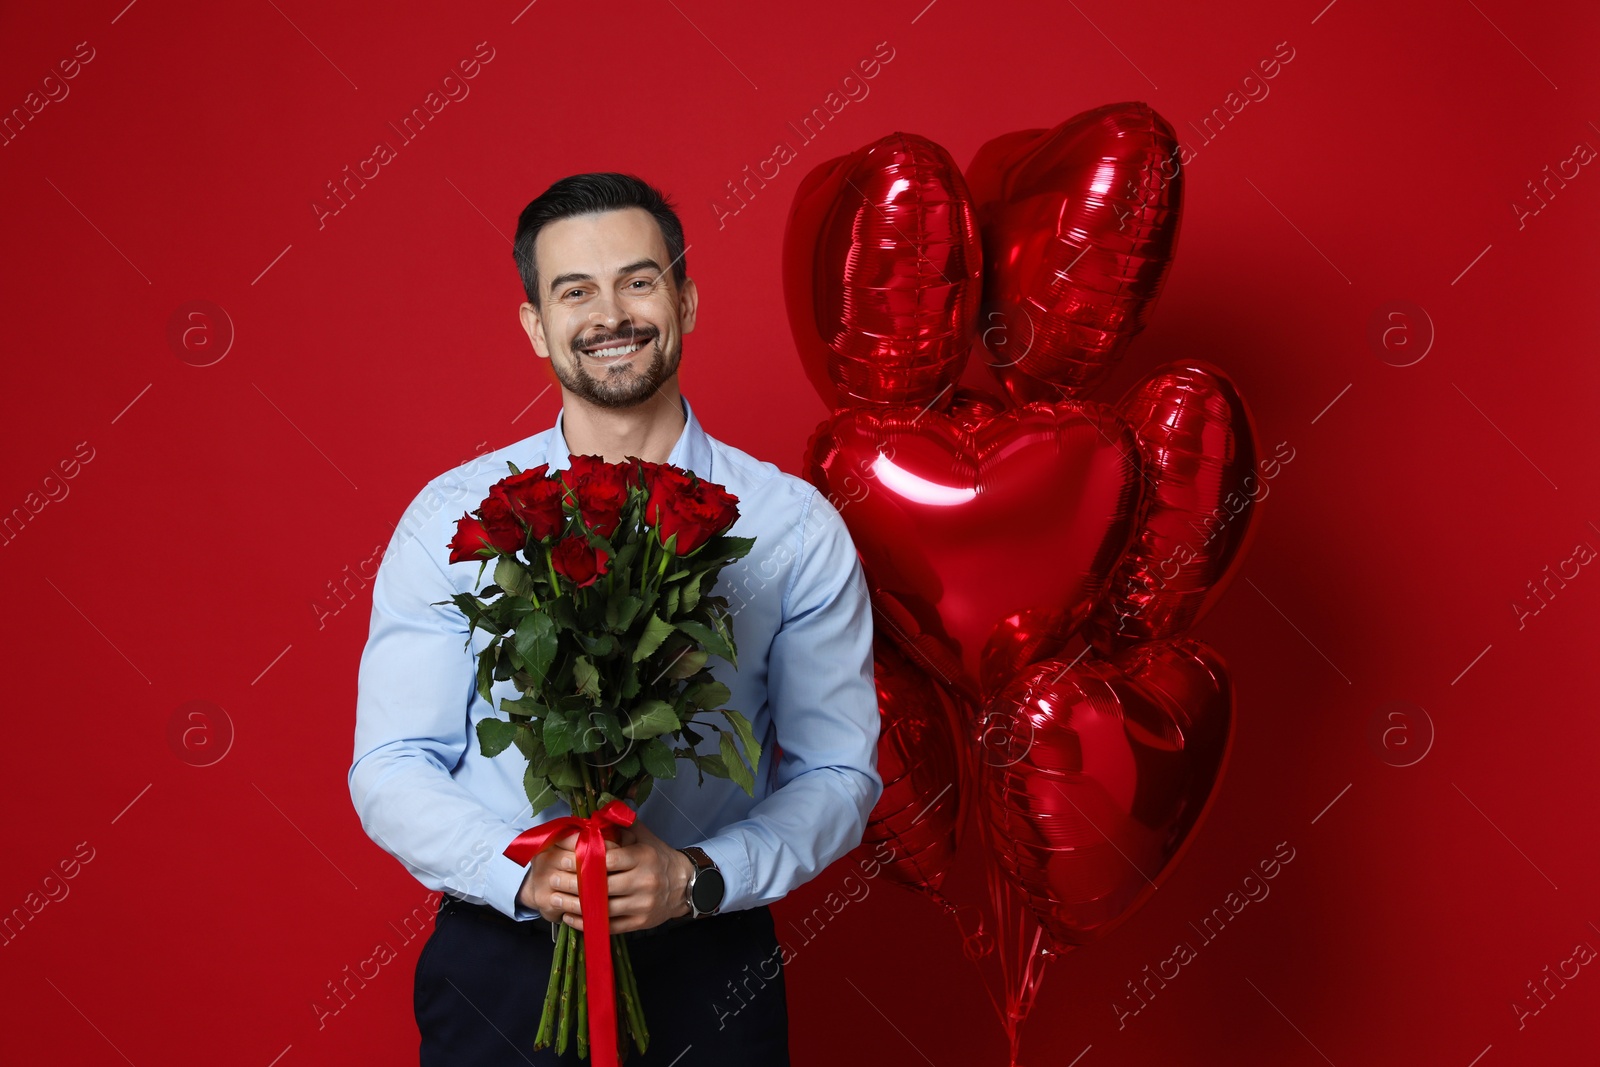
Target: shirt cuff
[
  {"x": 505, "y": 882},
  {"x": 729, "y": 854}
]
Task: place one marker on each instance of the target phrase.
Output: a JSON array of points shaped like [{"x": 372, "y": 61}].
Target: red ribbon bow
[{"x": 595, "y": 904}]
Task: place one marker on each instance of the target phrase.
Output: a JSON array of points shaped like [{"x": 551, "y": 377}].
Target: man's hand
[
  {"x": 647, "y": 880},
  {"x": 547, "y": 887}
]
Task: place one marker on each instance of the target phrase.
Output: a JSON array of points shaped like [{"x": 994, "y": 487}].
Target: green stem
[
  {"x": 628, "y": 987},
  {"x": 547, "y": 1017},
  {"x": 564, "y": 1026},
  {"x": 549, "y": 565}
]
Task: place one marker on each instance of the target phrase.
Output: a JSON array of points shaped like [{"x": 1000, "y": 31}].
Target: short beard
[{"x": 624, "y": 390}]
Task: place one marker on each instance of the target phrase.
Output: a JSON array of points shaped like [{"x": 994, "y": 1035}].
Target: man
[{"x": 609, "y": 301}]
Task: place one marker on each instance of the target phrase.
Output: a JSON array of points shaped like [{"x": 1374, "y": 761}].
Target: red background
[{"x": 372, "y": 353}]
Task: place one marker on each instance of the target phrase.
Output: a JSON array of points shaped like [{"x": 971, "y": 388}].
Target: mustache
[{"x": 643, "y": 335}]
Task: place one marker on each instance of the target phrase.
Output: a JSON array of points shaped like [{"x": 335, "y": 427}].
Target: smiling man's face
[{"x": 610, "y": 319}]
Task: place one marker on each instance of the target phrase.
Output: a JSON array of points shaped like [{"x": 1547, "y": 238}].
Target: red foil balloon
[
  {"x": 883, "y": 274},
  {"x": 1079, "y": 225},
  {"x": 985, "y": 548},
  {"x": 1111, "y": 766},
  {"x": 1199, "y": 446},
  {"x": 919, "y": 814},
  {"x": 973, "y": 407}
]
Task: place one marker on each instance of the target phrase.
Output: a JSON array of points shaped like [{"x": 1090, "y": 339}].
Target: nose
[{"x": 605, "y": 310}]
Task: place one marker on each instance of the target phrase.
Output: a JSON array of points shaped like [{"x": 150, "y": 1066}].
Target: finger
[
  {"x": 617, "y": 859},
  {"x": 567, "y": 903},
  {"x": 630, "y": 882}
]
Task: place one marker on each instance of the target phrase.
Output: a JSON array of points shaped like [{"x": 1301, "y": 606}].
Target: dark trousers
[{"x": 712, "y": 991}]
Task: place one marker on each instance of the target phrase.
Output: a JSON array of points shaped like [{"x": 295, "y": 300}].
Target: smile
[{"x": 615, "y": 352}]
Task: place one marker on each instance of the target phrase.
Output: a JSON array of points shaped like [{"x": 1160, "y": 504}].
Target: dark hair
[{"x": 586, "y": 194}]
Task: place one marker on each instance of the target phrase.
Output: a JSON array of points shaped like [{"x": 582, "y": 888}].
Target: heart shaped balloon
[
  {"x": 1199, "y": 446},
  {"x": 883, "y": 274},
  {"x": 1116, "y": 762},
  {"x": 985, "y": 547},
  {"x": 1079, "y": 225},
  {"x": 919, "y": 815}
]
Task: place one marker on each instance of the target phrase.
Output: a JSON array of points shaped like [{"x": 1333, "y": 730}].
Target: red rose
[
  {"x": 574, "y": 559},
  {"x": 600, "y": 490},
  {"x": 535, "y": 499},
  {"x": 470, "y": 541},
  {"x": 501, "y": 526},
  {"x": 696, "y": 511},
  {"x": 662, "y": 482}
]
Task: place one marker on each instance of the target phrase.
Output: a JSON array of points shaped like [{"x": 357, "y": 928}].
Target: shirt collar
[{"x": 692, "y": 451}]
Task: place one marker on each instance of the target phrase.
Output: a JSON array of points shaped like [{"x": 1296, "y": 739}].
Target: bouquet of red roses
[{"x": 602, "y": 618}]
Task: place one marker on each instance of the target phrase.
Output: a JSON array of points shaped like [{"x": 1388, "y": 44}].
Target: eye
[
  {"x": 569, "y": 292},
  {"x": 647, "y": 283}
]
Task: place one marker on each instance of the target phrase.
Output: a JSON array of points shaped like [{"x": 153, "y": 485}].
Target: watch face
[{"x": 708, "y": 888}]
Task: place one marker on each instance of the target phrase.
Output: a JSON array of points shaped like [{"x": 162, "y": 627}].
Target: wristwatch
[{"x": 705, "y": 883}]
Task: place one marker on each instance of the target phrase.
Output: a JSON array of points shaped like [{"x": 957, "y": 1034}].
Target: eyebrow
[{"x": 639, "y": 264}]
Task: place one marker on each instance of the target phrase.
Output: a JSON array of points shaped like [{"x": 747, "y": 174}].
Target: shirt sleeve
[
  {"x": 824, "y": 709},
  {"x": 415, "y": 688}
]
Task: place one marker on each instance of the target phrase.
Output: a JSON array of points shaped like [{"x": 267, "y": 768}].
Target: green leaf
[
  {"x": 736, "y": 768},
  {"x": 536, "y": 643},
  {"x": 514, "y": 608},
  {"x": 564, "y": 775},
  {"x": 655, "y": 632},
  {"x": 627, "y": 553},
  {"x": 495, "y": 735},
  {"x": 541, "y": 794},
  {"x": 650, "y": 719},
  {"x": 708, "y": 695},
  {"x": 628, "y": 765},
  {"x": 720, "y": 620},
  {"x": 606, "y": 721},
  {"x": 558, "y": 734},
  {"x": 473, "y": 609},
  {"x": 726, "y": 548},
  {"x": 643, "y": 792},
  {"x": 528, "y": 742},
  {"x": 712, "y": 765},
  {"x": 708, "y": 637},
  {"x": 504, "y": 665},
  {"x": 658, "y": 758},
  {"x": 691, "y": 593},
  {"x": 687, "y": 665},
  {"x": 600, "y": 646},
  {"x": 562, "y": 611},
  {"x": 630, "y": 680},
  {"x": 512, "y": 577},
  {"x": 747, "y": 736},
  {"x": 670, "y": 605},
  {"x": 587, "y": 677},
  {"x": 621, "y": 610},
  {"x": 486, "y": 662},
  {"x": 528, "y": 706}
]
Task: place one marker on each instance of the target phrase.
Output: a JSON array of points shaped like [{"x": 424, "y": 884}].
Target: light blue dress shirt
[{"x": 803, "y": 624}]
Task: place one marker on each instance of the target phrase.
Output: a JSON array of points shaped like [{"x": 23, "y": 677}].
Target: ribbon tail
[{"x": 601, "y": 993}]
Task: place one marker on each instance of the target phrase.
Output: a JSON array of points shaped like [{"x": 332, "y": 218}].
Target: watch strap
[{"x": 701, "y": 861}]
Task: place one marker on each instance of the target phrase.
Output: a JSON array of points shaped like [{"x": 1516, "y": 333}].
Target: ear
[
  {"x": 533, "y": 323},
  {"x": 688, "y": 303}
]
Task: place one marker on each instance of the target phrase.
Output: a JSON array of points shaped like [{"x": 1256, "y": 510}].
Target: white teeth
[{"x": 606, "y": 353}]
